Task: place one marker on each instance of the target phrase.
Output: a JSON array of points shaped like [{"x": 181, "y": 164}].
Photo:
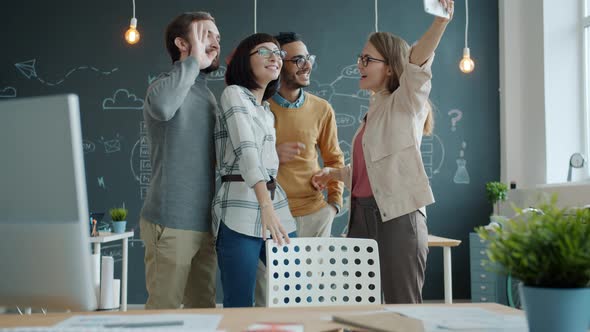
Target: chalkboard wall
[{"x": 63, "y": 46}]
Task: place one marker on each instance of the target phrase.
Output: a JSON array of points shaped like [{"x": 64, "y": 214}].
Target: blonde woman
[{"x": 388, "y": 184}]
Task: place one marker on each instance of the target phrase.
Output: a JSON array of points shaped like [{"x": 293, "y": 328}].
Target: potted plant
[
  {"x": 550, "y": 253},
  {"x": 496, "y": 192},
  {"x": 119, "y": 218}
]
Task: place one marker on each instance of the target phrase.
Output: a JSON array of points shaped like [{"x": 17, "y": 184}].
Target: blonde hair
[{"x": 396, "y": 51}]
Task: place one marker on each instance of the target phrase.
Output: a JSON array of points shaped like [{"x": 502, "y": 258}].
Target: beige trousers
[
  {"x": 180, "y": 267},
  {"x": 317, "y": 224}
]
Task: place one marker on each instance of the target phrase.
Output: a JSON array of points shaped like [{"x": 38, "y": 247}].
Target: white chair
[{"x": 323, "y": 271}]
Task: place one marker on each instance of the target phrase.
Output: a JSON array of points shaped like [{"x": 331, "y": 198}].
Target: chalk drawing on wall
[
  {"x": 116, "y": 249},
  {"x": 113, "y": 250},
  {"x": 218, "y": 75},
  {"x": 461, "y": 174},
  {"x": 101, "y": 184},
  {"x": 344, "y": 120},
  {"x": 8, "y": 92},
  {"x": 122, "y": 100},
  {"x": 140, "y": 161},
  {"x": 152, "y": 78},
  {"x": 133, "y": 241},
  {"x": 346, "y": 149},
  {"x": 28, "y": 69},
  {"x": 456, "y": 116},
  {"x": 433, "y": 154},
  {"x": 88, "y": 146},
  {"x": 324, "y": 91},
  {"x": 363, "y": 111},
  {"x": 111, "y": 145}
]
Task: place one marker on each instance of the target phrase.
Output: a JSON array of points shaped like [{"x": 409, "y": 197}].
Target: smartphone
[{"x": 434, "y": 7}]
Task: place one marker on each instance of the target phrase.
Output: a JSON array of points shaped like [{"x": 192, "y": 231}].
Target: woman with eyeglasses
[
  {"x": 249, "y": 205},
  {"x": 386, "y": 177}
]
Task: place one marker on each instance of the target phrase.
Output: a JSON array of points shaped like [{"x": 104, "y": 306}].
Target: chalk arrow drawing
[{"x": 28, "y": 69}]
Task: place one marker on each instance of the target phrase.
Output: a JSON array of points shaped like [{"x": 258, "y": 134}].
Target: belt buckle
[{"x": 271, "y": 186}]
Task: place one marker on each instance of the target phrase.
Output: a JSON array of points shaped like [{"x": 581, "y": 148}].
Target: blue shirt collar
[{"x": 287, "y": 104}]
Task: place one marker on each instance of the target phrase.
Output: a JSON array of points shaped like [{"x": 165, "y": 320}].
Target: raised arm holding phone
[{"x": 386, "y": 177}]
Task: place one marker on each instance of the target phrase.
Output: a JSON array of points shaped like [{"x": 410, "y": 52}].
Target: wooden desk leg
[
  {"x": 448, "y": 275},
  {"x": 124, "y": 275}
]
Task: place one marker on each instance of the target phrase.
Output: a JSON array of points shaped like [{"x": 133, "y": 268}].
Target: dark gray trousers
[{"x": 403, "y": 247}]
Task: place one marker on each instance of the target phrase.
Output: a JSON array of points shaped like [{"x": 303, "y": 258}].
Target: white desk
[
  {"x": 104, "y": 237},
  {"x": 237, "y": 319},
  {"x": 437, "y": 241}
]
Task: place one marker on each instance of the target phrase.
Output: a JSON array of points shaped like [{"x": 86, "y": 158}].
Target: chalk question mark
[{"x": 454, "y": 119}]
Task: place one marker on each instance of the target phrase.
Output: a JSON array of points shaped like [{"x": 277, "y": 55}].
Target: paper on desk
[
  {"x": 192, "y": 322},
  {"x": 462, "y": 319}
]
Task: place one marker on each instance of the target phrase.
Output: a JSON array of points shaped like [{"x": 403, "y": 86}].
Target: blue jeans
[{"x": 237, "y": 257}]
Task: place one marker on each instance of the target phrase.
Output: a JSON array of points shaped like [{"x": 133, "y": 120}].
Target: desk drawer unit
[{"x": 486, "y": 286}]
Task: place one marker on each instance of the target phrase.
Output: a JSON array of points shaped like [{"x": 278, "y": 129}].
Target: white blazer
[{"x": 391, "y": 145}]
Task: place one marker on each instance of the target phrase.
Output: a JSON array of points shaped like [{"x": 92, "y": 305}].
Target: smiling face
[
  {"x": 293, "y": 77},
  {"x": 376, "y": 74},
  {"x": 265, "y": 68}
]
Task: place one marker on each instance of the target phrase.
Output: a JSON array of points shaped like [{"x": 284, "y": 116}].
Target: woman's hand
[
  {"x": 320, "y": 179},
  {"x": 449, "y": 5},
  {"x": 271, "y": 221}
]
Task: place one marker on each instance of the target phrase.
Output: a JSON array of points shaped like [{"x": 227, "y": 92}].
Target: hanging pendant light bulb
[
  {"x": 132, "y": 35},
  {"x": 466, "y": 64}
]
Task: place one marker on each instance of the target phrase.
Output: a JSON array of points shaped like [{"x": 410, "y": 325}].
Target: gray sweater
[{"x": 179, "y": 113}]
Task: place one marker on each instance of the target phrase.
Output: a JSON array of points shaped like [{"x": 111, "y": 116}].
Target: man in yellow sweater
[{"x": 304, "y": 123}]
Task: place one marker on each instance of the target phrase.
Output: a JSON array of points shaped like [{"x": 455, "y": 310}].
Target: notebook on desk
[{"x": 381, "y": 322}]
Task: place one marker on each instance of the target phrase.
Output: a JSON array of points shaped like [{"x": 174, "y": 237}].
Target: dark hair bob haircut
[{"x": 239, "y": 71}]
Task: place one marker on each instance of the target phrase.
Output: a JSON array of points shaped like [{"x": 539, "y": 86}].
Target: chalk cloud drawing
[
  {"x": 218, "y": 75},
  {"x": 8, "y": 92},
  {"x": 344, "y": 120},
  {"x": 122, "y": 100},
  {"x": 28, "y": 69}
]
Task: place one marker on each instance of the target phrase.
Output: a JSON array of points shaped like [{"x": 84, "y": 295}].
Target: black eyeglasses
[
  {"x": 365, "y": 59},
  {"x": 266, "y": 53},
  {"x": 300, "y": 60}
]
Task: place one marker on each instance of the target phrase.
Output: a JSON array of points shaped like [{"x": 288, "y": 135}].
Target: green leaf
[{"x": 549, "y": 250}]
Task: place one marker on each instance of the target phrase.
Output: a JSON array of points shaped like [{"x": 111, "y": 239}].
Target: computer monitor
[{"x": 44, "y": 232}]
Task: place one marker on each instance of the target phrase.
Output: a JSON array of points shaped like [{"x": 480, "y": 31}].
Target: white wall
[{"x": 541, "y": 97}]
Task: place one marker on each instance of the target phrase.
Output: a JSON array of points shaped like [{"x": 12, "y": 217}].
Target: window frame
[{"x": 585, "y": 37}]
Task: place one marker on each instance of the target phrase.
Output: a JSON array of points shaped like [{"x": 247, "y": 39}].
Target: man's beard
[
  {"x": 214, "y": 64},
  {"x": 213, "y": 67},
  {"x": 290, "y": 81}
]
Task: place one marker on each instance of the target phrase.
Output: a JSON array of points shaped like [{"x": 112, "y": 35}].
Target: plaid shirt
[{"x": 245, "y": 144}]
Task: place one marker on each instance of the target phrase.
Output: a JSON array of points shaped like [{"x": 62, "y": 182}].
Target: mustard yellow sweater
[{"x": 314, "y": 125}]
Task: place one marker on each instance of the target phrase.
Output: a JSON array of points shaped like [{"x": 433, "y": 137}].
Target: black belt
[{"x": 270, "y": 185}]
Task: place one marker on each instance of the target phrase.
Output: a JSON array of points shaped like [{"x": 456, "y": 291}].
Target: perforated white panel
[{"x": 323, "y": 271}]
